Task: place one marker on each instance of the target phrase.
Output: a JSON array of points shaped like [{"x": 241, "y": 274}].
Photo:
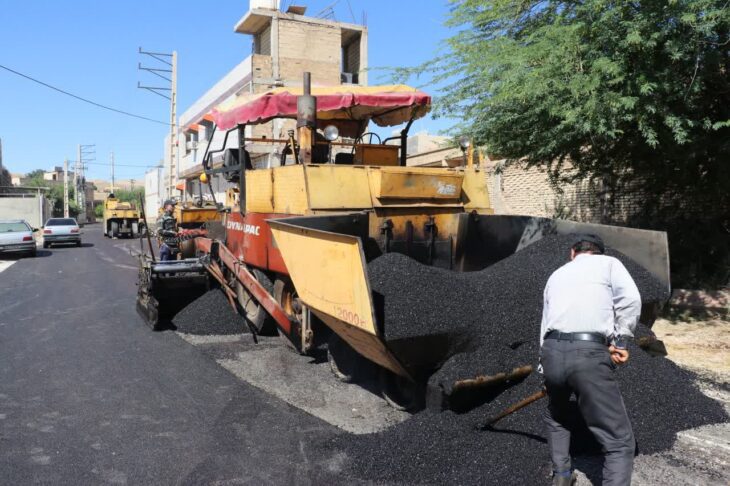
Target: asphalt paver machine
[{"x": 292, "y": 250}]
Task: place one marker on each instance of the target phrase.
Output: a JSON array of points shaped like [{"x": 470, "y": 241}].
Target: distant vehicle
[
  {"x": 61, "y": 230},
  {"x": 121, "y": 218},
  {"x": 16, "y": 235}
]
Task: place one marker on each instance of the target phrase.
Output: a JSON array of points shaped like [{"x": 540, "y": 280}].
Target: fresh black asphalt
[{"x": 89, "y": 395}]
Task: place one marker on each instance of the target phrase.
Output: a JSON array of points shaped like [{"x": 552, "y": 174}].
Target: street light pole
[{"x": 65, "y": 188}]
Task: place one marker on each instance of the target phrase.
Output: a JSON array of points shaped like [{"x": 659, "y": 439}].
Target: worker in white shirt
[{"x": 591, "y": 307}]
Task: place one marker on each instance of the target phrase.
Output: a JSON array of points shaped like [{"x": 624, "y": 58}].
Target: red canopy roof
[{"x": 385, "y": 105}]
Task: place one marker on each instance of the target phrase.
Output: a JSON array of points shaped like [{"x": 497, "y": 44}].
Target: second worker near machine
[
  {"x": 591, "y": 307},
  {"x": 167, "y": 231}
]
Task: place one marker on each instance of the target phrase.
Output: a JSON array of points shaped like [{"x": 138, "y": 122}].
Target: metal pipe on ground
[
  {"x": 481, "y": 381},
  {"x": 512, "y": 409}
]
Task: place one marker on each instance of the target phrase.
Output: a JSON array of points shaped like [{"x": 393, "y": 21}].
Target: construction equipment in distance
[
  {"x": 121, "y": 219},
  {"x": 297, "y": 236}
]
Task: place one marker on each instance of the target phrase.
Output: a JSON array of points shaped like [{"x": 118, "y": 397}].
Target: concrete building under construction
[{"x": 284, "y": 45}]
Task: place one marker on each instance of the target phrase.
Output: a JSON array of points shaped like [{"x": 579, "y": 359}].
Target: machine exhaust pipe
[{"x": 306, "y": 120}]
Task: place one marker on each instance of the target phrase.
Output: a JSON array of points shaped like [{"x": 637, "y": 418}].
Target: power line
[
  {"x": 121, "y": 165},
  {"x": 82, "y": 99}
]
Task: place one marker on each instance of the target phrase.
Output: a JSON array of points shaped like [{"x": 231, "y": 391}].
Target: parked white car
[
  {"x": 61, "y": 230},
  {"x": 16, "y": 235}
]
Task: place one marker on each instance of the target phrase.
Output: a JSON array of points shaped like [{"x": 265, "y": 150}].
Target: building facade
[
  {"x": 154, "y": 193},
  {"x": 284, "y": 45}
]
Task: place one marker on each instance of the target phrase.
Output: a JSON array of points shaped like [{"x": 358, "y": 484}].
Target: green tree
[
  {"x": 55, "y": 193},
  {"x": 35, "y": 174},
  {"x": 633, "y": 95},
  {"x": 127, "y": 195}
]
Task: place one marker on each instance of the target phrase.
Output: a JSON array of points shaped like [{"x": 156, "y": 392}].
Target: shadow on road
[
  {"x": 71, "y": 245},
  {"x": 11, "y": 257}
]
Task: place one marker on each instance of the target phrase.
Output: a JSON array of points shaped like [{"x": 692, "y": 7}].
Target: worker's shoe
[{"x": 565, "y": 480}]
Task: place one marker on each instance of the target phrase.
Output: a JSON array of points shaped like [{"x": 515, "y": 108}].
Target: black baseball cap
[
  {"x": 168, "y": 201},
  {"x": 589, "y": 238}
]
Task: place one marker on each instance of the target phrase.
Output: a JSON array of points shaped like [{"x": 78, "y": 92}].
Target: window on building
[
  {"x": 191, "y": 141},
  {"x": 206, "y": 131},
  {"x": 350, "y": 57},
  {"x": 262, "y": 42}
]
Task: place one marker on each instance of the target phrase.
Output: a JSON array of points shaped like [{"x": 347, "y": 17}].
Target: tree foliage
[
  {"x": 55, "y": 193},
  {"x": 635, "y": 95},
  {"x": 129, "y": 195}
]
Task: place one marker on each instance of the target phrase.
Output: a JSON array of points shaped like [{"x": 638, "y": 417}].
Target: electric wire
[
  {"x": 121, "y": 165},
  {"x": 99, "y": 105}
]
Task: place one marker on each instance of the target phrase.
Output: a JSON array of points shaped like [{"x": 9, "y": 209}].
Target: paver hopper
[{"x": 327, "y": 260}]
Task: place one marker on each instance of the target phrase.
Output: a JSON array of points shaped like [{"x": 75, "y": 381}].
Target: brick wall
[
  {"x": 515, "y": 189},
  {"x": 310, "y": 47}
]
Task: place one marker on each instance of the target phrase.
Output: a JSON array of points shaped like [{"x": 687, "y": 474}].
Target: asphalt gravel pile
[
  {"x": 491, "y": 321},
  {"x": 210, "y": 314},
  {"x": 485, "y": 322},
  {"x": 447, "y": 447}
]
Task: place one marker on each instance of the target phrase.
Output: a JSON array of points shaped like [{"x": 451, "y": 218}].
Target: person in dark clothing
[
  {"x": 167, "y": 232},
  {"x": 591, "y": 307}
]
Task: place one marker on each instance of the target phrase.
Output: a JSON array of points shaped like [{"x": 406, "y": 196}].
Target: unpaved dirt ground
[{"x": 702, "y": 346}]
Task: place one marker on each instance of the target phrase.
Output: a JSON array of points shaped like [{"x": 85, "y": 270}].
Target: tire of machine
[
  {"x": 252, "y": 310},
  {"x": 346, "y": 364},
  {"x": 135, "y": 229},
  {"x": 114, "y": 229},
  {"x": 285, "y": 294},
  {"x": 401, "y": 393}
]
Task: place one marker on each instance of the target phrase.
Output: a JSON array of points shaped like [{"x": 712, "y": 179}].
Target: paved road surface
[{"x": 89, "y": 395}]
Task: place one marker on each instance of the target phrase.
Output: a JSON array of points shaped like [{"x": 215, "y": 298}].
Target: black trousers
[{"x": 585, "y": 369}]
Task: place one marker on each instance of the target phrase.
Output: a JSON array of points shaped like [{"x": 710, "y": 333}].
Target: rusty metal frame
[{"x": 242, "y": 274}]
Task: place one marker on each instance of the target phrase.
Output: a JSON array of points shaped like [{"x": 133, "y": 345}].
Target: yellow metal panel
[
  {"x": 197, "y": 215},
  {"x": 260, "y": 191},
  {"x": 446, "y": 220},
  {"x": 376, "y": 154},
  {"x": 289, "y": 190},
  {"x": 399, "y": 184},
  {"x": 338, "y": 187},
  {"x": 328, "y": 271},
  {"x": 475, "y": 193}
]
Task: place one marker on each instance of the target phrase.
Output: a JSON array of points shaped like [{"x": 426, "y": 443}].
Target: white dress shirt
[{"x": 592, "y": 293}]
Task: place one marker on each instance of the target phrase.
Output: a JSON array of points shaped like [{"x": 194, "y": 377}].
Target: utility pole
[
  {"x": 86, "y": 153},
  {"x": 65, "y": 188},
  {"x": 111, "y": 156},
  {"x": 77, "y": 188},
  {"x": 170, "y": 59},
  {"x": 131, "y": 182}
]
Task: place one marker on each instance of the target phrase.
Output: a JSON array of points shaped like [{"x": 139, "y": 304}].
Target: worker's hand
[{"x": 618, "y": 356}]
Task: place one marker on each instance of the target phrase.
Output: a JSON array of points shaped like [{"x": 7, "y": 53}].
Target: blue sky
[{"x": 89, "y": 47}]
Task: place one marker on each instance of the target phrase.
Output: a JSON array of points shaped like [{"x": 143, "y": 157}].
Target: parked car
[
  {"x": 16, "y": 235},
  {"x": 61, "y": 230}
]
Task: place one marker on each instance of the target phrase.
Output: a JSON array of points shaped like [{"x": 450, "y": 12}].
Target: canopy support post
[
  {"x": 242, "y": 169},
  {"x": 404, "y": 142}
]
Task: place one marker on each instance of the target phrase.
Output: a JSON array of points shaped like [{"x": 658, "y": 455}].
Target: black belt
[{"x": 596, "y": 337}]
